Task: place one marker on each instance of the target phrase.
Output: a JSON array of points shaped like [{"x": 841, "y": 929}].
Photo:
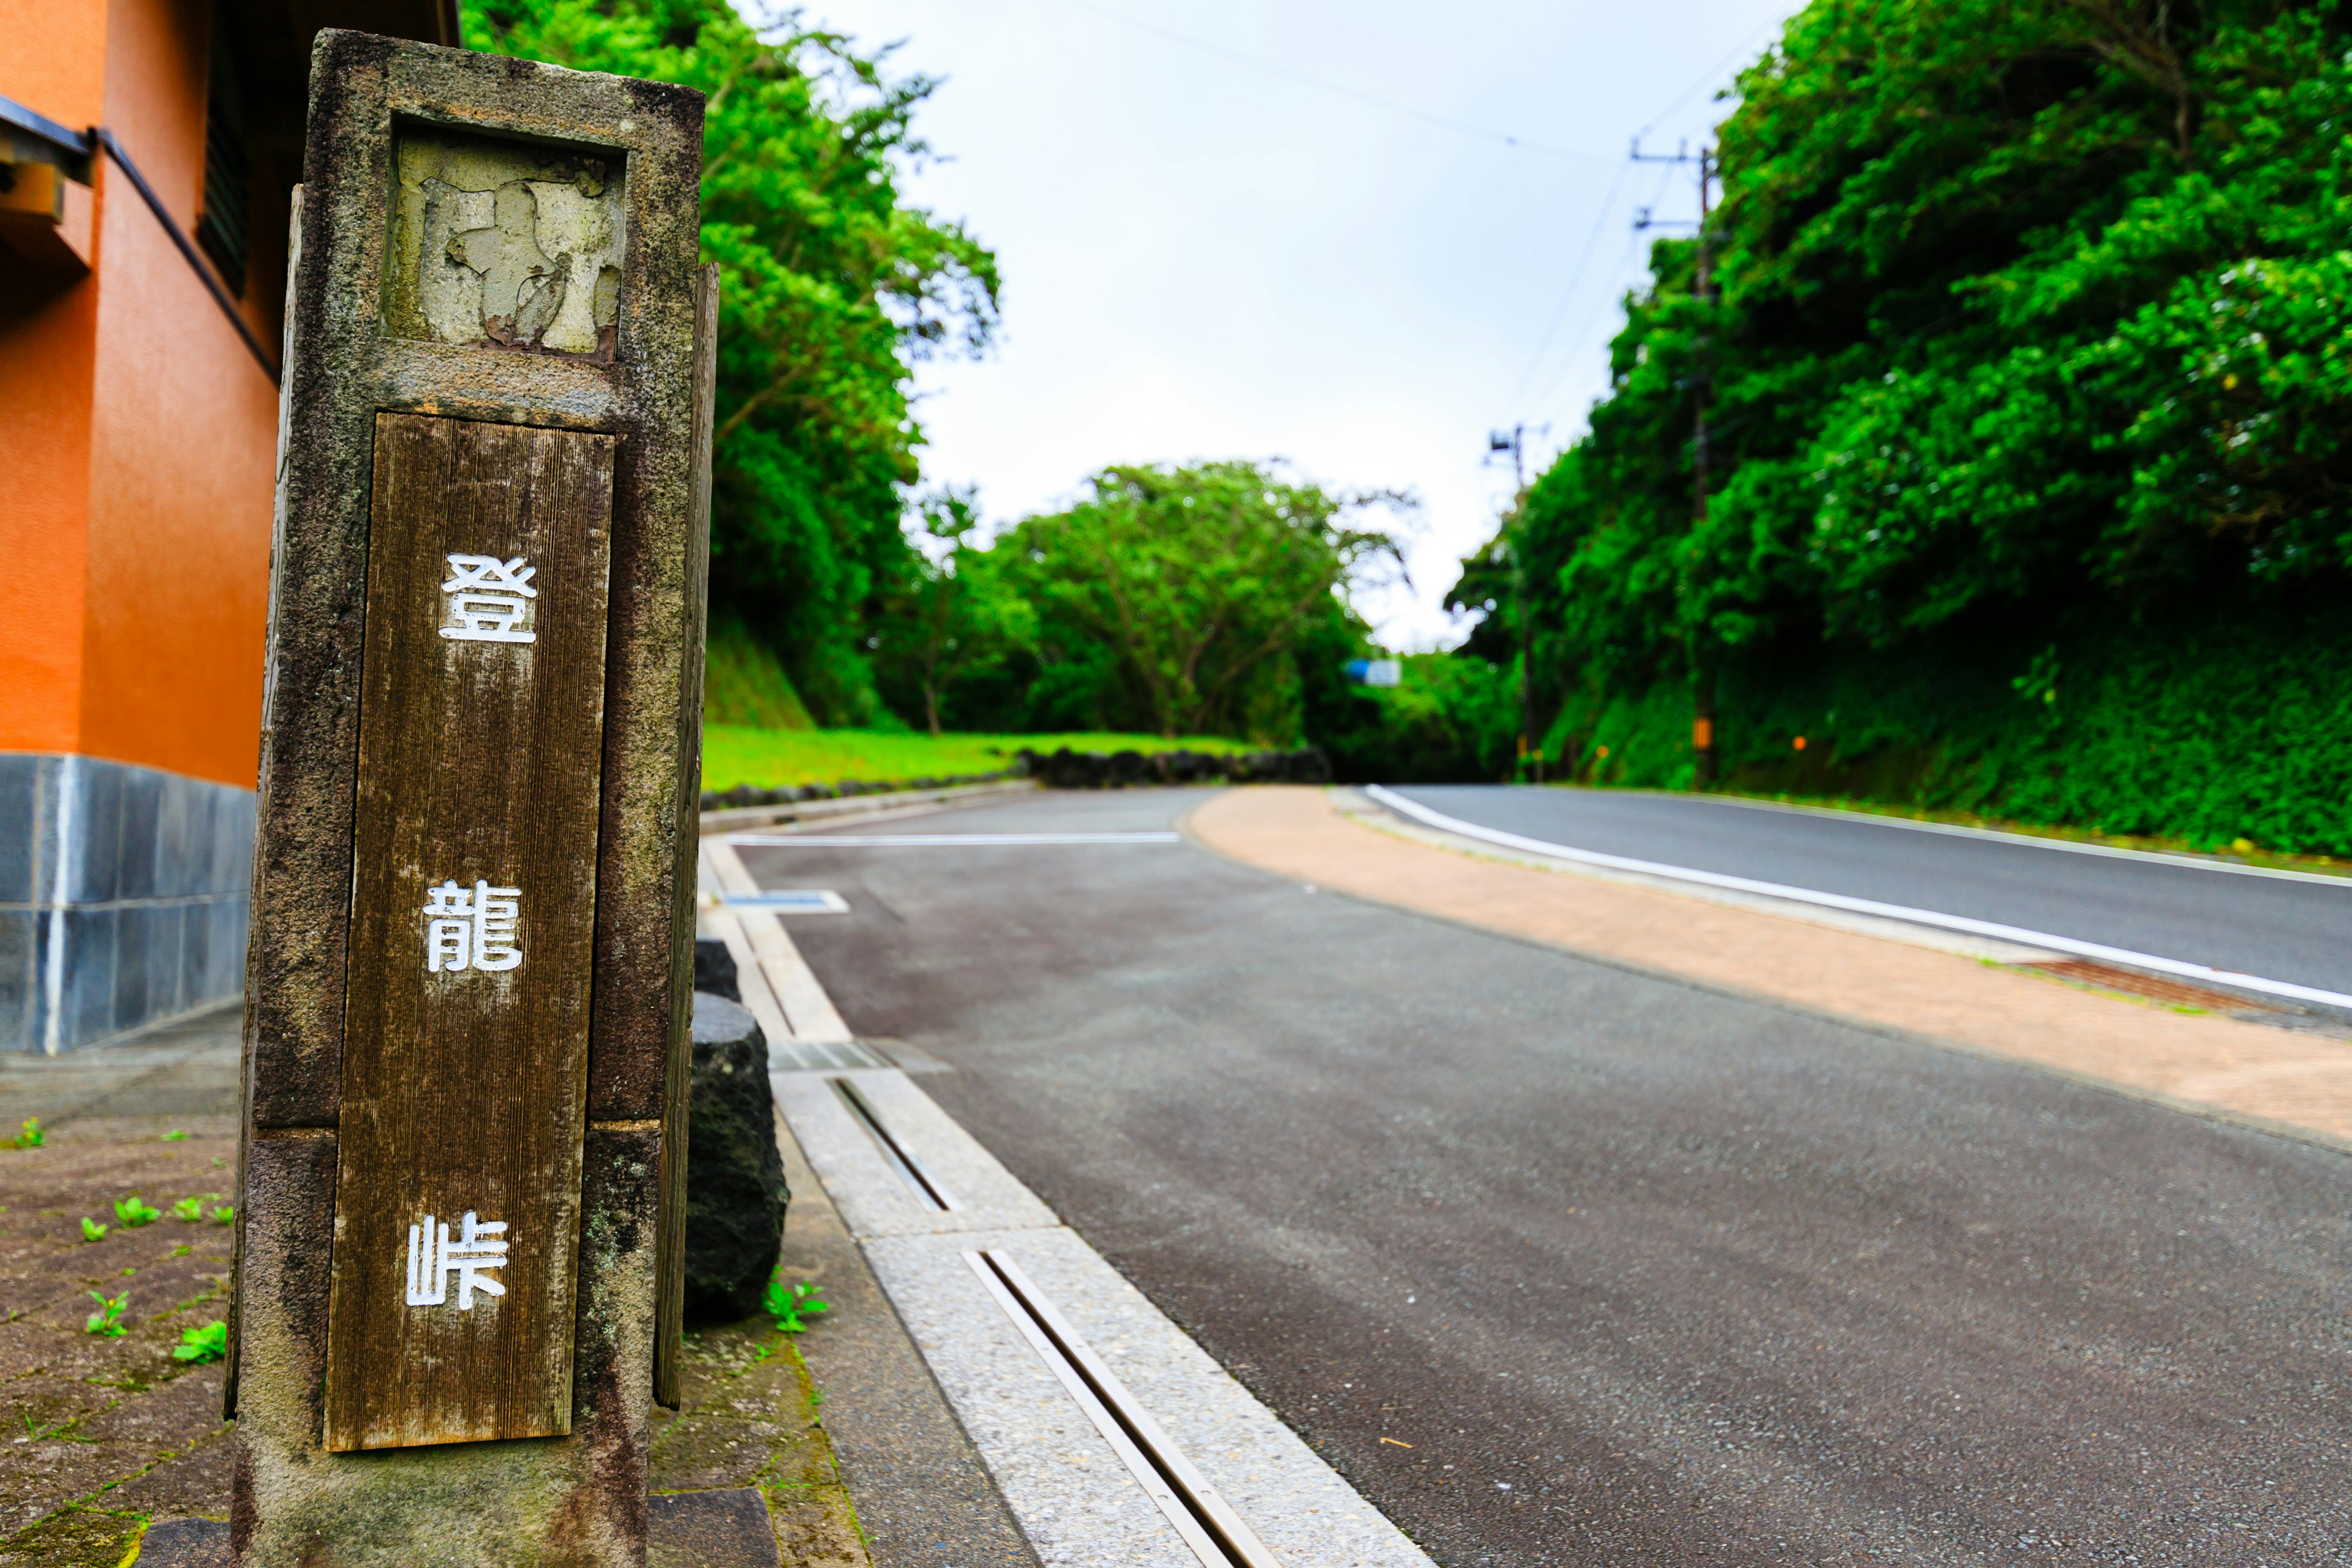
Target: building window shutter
[{"x": 225, "y": 228}]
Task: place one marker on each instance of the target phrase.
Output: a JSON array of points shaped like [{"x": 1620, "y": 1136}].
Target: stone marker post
[{"x": 472, "y": 939}]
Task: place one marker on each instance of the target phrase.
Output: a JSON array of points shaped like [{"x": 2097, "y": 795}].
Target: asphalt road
[
  {"x": 1641, "y": 1273},
  {"x": 2290, "y": 929}
]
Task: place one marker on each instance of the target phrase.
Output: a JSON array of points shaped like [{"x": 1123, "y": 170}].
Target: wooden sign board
[
  {"x": 472, "y": 950},
  {"x": 473, "y": 919}
]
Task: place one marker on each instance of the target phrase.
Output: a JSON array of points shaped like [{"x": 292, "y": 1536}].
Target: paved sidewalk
[
  {"x": 110, "y": 1436},
  {"x": 110, "y": 1432},
  {"x": 2195, "y": 1060}
]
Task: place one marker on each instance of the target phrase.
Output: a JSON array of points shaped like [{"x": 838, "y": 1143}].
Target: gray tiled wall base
[{"x": 122, "y": 898}]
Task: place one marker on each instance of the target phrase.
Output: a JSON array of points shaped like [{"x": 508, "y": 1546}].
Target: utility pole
[
  {"x": 1516, "y": 444},
  {"x": 1703, "y": 768}
]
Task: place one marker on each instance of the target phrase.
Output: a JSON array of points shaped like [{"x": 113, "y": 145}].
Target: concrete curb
[
  {"x": 889, "y": 803},
  {"x": 922, "y": 1493}
]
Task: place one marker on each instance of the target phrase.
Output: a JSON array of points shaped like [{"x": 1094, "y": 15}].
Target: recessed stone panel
[{"x": 506, "y": 245}]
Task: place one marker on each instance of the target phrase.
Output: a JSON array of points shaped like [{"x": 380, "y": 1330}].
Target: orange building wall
[
  {"x": 54, "y": 63},
  {"x": 133, "y": 604},
  {"x": 46, "y": 363},
  {"x": 183, "y": 444}
]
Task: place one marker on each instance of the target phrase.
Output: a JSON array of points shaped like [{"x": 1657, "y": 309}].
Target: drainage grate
[
  {"x": 791, "y": 901},
  {"x": 933, "y": 1195},
  {"x": 796, "y": 1054},
  {"x": 1217, "y": 1535},
  {"x": 2156, "y": 988}
]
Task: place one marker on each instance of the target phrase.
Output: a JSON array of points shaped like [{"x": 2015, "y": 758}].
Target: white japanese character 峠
[
  {"x": 487, "y": 599},
  {"x": 471, "y": 928},
  {"x": 432, "y": 1257}
]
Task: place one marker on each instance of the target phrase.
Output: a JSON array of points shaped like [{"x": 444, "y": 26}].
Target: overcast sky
[{"x": 1296, "y": 229}]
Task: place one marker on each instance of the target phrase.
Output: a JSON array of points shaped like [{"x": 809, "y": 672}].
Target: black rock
[
  {"x": 735, "y": 1194},
  {"x": 714, "y": 969}
]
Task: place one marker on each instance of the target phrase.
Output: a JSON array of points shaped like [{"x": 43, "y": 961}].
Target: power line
[
  {"x": 1575, "y": 278},
  {"x": 1713, "y": 74},
  {"x": 1607, "y": 302},
  {"x": 1289, "y": 73}
]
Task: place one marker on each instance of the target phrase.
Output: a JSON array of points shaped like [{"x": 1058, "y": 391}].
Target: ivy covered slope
[
  {"x": 2032, "y": 418},
  {"x": 832, "y": 285}
]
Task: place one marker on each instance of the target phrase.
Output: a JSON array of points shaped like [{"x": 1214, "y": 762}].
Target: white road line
[
  {"x": 2065, "y": 845},
  {"x": 795, "y": 992},
  {"x": 2123, "y": 955},
  {"x": 941, "y": 840}
]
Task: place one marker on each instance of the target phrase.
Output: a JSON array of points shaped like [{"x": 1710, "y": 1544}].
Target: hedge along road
[
  {"x": 1562, "y": 1264},
  {"x": 2290, "y": 927}
]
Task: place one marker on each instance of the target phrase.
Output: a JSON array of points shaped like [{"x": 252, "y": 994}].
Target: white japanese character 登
[
  {"x": 487, "y": 599},
  {"x": 471, "y": 928},
  {"x": 432, "y": 1257}
]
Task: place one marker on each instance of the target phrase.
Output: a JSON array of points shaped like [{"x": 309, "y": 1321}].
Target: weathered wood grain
[{"x": 465, "y": 1090}]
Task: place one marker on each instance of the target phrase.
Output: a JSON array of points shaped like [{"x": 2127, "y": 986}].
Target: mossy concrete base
[{"x": 751, "y": 1418}]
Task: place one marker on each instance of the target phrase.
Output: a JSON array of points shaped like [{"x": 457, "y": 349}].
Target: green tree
[
  {"x": 1175, "y": 599},
  {"x": 2033, "y": 315},
  {"x": 950, "y": 614},
  {"x": 832, "y": 287}
]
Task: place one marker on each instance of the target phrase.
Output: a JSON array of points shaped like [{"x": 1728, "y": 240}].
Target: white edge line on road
[
  {"x": 942, "y": 840},
  {"x": 2031, "y": 841},
  {"x": 2068, "y": 944}
]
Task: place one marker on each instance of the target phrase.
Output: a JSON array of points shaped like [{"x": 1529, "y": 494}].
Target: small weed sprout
[
  {"x": 173, "y": 1136},
  {"x": 791, "y": 1308},
  {"x": 188, "y": 1209},
  {"x": 134, "y": 1214},
  {"x": 208, "y": 1344},
  {"x": 31, "y": 1137},
  {"x": 93, "y": 1231},
  {"x": 107, "y": 1319}
]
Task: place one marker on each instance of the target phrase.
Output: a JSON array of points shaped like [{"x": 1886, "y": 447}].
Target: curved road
[
  {"x": 1562, "y": 1264},
  {"x": 2296, "y": 928}
]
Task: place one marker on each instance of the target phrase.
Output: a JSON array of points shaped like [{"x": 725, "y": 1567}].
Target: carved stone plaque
[{"x": 505, "y": 244}]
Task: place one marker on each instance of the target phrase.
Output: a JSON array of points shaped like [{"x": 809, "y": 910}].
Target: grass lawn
[{"x": 769, "y": 758}]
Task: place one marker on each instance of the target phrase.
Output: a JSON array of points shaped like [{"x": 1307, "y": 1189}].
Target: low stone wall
[
  {"x": 743, "y": 795},
  {"x": 1066, "y": 769}
]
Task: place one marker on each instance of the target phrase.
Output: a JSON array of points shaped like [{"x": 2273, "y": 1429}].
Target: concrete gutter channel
[{"x": 996, "y": 1392}]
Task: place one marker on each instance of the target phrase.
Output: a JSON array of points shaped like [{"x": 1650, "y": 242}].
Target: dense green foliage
[
  {"x": 1208, "y": 599},
  {"x": 832, "y": 285},
  {"x": 743, "y": 682},
  {"x": 2238, "y": 727},
  {"x": 2030, "y": 354}
]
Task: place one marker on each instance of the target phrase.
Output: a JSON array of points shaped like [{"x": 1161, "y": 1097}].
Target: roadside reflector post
[{"x": 459, "y": 1225}]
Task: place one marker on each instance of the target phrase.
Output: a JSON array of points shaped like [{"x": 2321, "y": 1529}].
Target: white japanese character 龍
[
  {"x": 487, "y": 599},
  {"x": 471, "y": 928},
  {"x": 432, "y": 1257}
]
